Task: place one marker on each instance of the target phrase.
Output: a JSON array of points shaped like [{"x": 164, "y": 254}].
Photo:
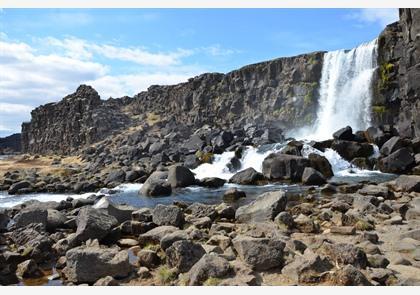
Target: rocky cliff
[
  {"x": 281, "y": 92},
  {"x": 397, "y": 99},
  {"x": 10, "y": 144}
]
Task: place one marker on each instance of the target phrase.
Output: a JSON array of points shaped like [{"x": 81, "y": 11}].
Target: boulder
[
  {"x": 350, "y": 149},
  {"x": 148, "y": 258},
  {"x": 212, "y": 182},
  {"x": 180, "y": 176},
  {"x": 311, "y": 176},
  {"x": 321, "y": 164},
  {"x": 115, "y": 176},
  {"x": 376, "y": 136},
  {"x": 120, "y": 212},
  {"x": 87, "y": 264},
  {"x": 259, "y": 253},
  {"x": 199, "y": 210},
  {"x": 55, "y": 219},
  {"x": 156, "y": 234},
  {"x": 106, "y": 281},
  {"x": 28, "y": 269},
  {"x": 349, "y": 276},
  {"x": 248, "y": 176},
  {"x": 345, "y": 133},
  {"x": 156, "y": 185},
  {"x": 400, "y": 161},
  {"x": 408, "y": 183},
  {"x": 343, "y": 254},
  {"x": 392, "y": 145},
  {"x": 172, "y": 237},
  {"x": 307, "y": 269},
  {"x": 14, "y": 188},
  {"x": 209, "y": 266},
  {"x": 4, "y": 221},
  {"x": 284, "y": 167},
  {"x": 29, "y": 215},
  {"x": 143, "y": 214},
  {"x": 93, "y": 224},
  {"x": 184, "y": 254},
  {"x": 233, "y": 194},
  {"x": 264, "y": 208},
  {"x": 168, "y": 215}
]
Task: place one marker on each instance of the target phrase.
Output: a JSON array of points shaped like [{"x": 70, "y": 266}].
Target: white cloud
[
  {"x": 381, "y": 16},
  {"x": 217, "y": 50},
  {"x": 30, "y": 77},
  {"x": 82, "y": 49}
]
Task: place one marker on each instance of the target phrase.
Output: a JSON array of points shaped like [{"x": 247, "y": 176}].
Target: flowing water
[{"x": 345, "y": 93}]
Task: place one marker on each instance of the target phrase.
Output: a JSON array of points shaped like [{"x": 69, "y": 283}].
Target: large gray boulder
[
  {"x": 264, "y": 208},
  {"x": 168, "y": 215},
  {"x": 156, "y": 185},
  {"x": 209, "y": 266},
  {"x": 408, "y": 183},
  {"x": 87, "y": 264},
  {"x": 28, "y": 216},
  {"x": 120, "y": 212},
  {"x": 321, "y": 164},
  {"x": 343, "y": 254},
  {"x": 184, "y": 254},
  {"x": 14, "y": 188},
  {"x": 400, "y": 161},
  {"x": 311, "y": 176},
  {"x": 259, "y": 253},
  {"x": 248, "y": 176},
  {"x": 156, "y": 234},
  {"x": 392, "y": 145},
  {"x": 93, "y": 224},
  {"x": 284, "y": 167},
  {"x": 180, "y": 176}
]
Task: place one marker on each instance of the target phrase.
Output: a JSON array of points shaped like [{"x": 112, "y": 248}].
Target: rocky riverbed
[{"x": 296, "y": 219}]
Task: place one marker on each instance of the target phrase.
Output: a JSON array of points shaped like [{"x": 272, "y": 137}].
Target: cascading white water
[{"x": 345, "y": 93}]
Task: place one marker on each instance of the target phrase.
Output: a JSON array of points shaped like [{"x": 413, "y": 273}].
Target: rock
[
  {"x": 148, "y": 258},
  {"x": 311, "y": 176},
  {"x": 4, "y": 221},
  {"x": 115, "y": 176},
  {"x": 156, "y": 185},
  {"x": 225, "y": 211},
  {"x": 209, "y": 266},
  {"x": 305, "y": 224},
  {"x": 349, "y": 276},
  {"x": 285, "y": 219},
  {"x": 377, "y": 136},
  {"x": 247, "y": 177},
  {"x": 120, "y": 212},
  {"x": 343, "y": 230},
  {"x": 155, "y": 235},
  {"x": 378, "y": 261},
  {"x": 14, "y": 188},
  {"x": 344, "y": 253},
  {"x": 28, "y": 269},
  {"x": 171, "y": 238},
  {"x": 77, "y": 203},
  {"x": 93, "y": 224},
  {"x": 321, "y": 164},
  {"x": 168, "y": 215},
  {"x": 55, "y": 219},
  {"x": 212, "y": 182},
  {"x": 199, "y": 210},
  {"x": 125, "y": 243},
  {"x": 233, "y": 194},
  {"x": 28, "y": 216},
  {"x": 143, "y": 214},
  {"x": 350, "y": 149},
  {"x": 284, "y": 167},
  {"x": 345, "y": 133},
  {"x": 106, "y": 281},
  {"x": 264, "y": 208},
  {"x": 87, "y": 264},
  {"x": 307, "y": 269},
  {"x": 184, "y": 254},
  {"x": 260, "y": 253},
  {"x": 377, "y": 191},
  {"x": 180, "y": 176},
  {"x": 392, "y": 145},
  {"x": 398, "y": 162},
  {"x": 220, "y": 240},
  {"x": 408, "y": 183}
]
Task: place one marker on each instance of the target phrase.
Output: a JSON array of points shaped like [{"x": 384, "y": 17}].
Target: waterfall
[{"x": 345, "y": 93}]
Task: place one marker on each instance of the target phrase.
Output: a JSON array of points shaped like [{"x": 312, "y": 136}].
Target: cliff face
[
  {"x": 397, "y": 100},
  {"x": 10, "y": 144},
  {"x": 78, "y": 119},
  {"x": 282, "y": 92}
]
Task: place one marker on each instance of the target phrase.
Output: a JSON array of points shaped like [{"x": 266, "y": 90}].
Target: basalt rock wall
[
  {"x": 397, "y": 89},
  {"x": 281, "y": 92}
]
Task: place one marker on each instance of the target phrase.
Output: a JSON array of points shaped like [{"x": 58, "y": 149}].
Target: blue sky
[{"x": 46, "y": 53}]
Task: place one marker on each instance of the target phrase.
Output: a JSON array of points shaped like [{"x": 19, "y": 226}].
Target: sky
[{"x": 46, "y": 54}]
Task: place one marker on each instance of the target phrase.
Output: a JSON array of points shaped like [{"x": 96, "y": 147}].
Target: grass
[
  {"x": 384, "y": 71},
  {"x": 212, "y": 282},
  {"x": 152, "y": 118},
  {"x": 165, "y": 275}
]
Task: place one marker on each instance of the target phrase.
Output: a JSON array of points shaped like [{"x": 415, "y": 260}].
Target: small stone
[{"x": 343, "y": 230}]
